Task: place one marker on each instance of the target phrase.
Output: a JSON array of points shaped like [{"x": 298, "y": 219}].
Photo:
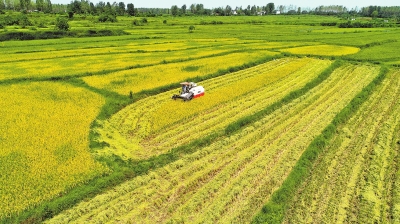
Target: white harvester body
[{"x": 189, "y": 91}]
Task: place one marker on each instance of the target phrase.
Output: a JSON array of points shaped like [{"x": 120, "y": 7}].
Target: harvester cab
[{"x": 189, "y": 91}]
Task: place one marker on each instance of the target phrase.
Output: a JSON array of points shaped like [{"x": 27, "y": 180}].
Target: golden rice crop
[
  {"x": 187, "y": 48},
  {"x": 44, "y": 142},
  {"x": 354, "y": 178},
  {"x": 78, "y": 65},
  {"x": 153, "y": 125},
  {"x": 172, "y": 111},
  {"x": 81, "y": 61},
  {"x": 139, "y": 79},
  {"x": 324, "y": 50},
  {"x": 231, "y": 179}
]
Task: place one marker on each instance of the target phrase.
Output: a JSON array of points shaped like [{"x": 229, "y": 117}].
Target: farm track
[
  {"x": 354, "y": 180},
  {"x": 134, "y": 124},
  {"x": 231, "y": 179}
]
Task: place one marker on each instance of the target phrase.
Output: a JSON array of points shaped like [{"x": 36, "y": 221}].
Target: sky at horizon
[{"x": 209, "y": 4}]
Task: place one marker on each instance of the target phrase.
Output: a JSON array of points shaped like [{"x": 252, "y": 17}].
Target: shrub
[
  {"x": 136, "y": 22},
  {"x": 24, "y": 21},
  {"x": 70, "y": 14},
  {"x": 191, "y": 28},
  {"x": 41, "y": 25},
  {"x": 62, "y": 24},
  {"x": 328, "y": 23},
  {"x": 107, "y": 18},
  {"x": 105, "y": 33}
]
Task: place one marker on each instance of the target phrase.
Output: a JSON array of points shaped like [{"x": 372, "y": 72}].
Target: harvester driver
[{"x": 185, "y": 88}]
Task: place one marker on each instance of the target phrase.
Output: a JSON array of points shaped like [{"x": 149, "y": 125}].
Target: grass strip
[{"x": 274, "y": 210}]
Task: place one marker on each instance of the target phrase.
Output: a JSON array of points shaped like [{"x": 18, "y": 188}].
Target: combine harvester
[{"x": 189, "y": 91}]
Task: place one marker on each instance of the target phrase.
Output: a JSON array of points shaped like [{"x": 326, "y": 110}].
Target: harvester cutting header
[{"x": 189, "y": 91}]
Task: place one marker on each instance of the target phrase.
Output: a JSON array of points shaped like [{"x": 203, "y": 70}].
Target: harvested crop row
[
  {"x": 129, "y": 127},
  {"x": 352, "y": 180},
  {"x": 154, "y": 125},
  {"x": 231, "y": 179}
]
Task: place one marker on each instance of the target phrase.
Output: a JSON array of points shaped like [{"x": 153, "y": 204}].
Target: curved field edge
[
  {"x": 274, "y": 210},
  {"x": 125, "y": 170}
]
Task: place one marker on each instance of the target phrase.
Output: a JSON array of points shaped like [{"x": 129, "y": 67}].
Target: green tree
[
  {"x": 9, "y": 5},
  {"x": 108, "y": 8},
  {"x": 130, "y": 9},
  {"x": 85, "y": 7},
  {"x": 40, "y": 5},
  {"x": 183, "y": 9},
  {"x": 191, "y": 28},
  {"x": 62, "y": 24},
  {"x": 92, "y": 9},
  {"x": 48, "y": 7},
  {"x": 75, "y": 6},
  {"x": 270, "y": 8},
  {"x": 22, "y": 4},
  {"x": 374, "y": 14},
  {"x": 2, "y": 5},
  {"x": 228, "y": 10},
  {"x": 193, "y": 8},
  {"x": 253, "y": 10},
  {"x": 121, "y": 8},
  {"x": 174, "y": 10},
  {"x": 100, "y": 7},
  {"x": 199, "y": 9}
]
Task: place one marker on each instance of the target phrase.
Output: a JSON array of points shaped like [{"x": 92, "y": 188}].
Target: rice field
[
  {"x": 353, "y": 180},
  {"x": 89, "y": 132},
  {"x": 44, "y": 142},
  {"x": 154, "y": 125},
  {"x": 231, "y": 179},
  {"x": 325, "y": 50}
]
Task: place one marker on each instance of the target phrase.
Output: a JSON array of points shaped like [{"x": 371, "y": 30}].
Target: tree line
[{"x": 120, "y": 9}]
